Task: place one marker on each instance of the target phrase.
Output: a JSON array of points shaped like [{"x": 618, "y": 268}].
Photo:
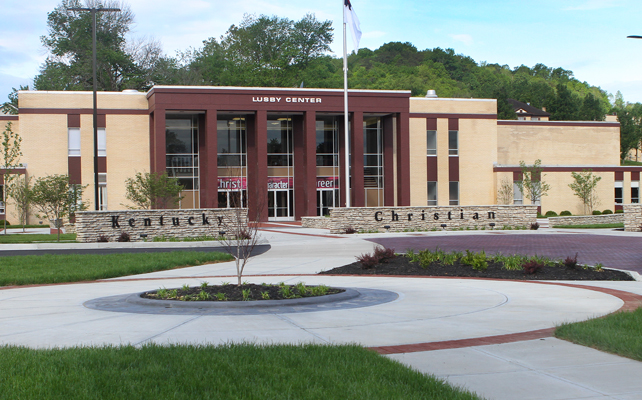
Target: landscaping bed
[
  {"x": 244, "y": 292},
  {"x": 477, "y": 265}
]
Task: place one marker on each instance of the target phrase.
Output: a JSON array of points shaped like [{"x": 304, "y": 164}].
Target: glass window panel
[
  {"x": 453, "y": 193},
  {"x": 635, "y": 195},
  {"x": 453, "y": 143},
  {"x": 432, "y": 193},
  {"x": 618, "y": 195},
  {"x": 517, "y": 195},
  {"x": 431, "y": 139},
  {"x": 73, "y": 135},
  {"x": 102, "y": 142}
]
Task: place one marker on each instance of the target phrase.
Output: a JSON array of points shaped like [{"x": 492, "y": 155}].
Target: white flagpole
[{"x": 345, "y": 109}]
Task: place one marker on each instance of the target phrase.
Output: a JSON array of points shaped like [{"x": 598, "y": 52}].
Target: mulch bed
[
  {"x": 235, "y": 293},
  {"x": 402, "y": 266}
]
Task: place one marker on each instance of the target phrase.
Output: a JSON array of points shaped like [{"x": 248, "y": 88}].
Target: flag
[{"x": 350, "y": 18}]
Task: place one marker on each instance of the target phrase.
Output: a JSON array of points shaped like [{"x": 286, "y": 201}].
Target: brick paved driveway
[{"x": 616, "y": 252}]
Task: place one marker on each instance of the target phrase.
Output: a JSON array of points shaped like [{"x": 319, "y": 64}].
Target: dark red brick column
[
  {"x": 356, "y": 137},
  {"x": 158, "y": 163},
  {"x": 388, "y": 162},
  {"x": 207, "y": 159},
  {"x": 257, "y": 166}
]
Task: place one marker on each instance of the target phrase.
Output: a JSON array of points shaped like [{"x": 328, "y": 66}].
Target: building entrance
[
  {"x": 281, "y": 205},
  {"x": 326, "y": 199}
]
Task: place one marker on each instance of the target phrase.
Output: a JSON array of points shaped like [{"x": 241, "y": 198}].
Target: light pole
[{"x": 93, "y": 11}]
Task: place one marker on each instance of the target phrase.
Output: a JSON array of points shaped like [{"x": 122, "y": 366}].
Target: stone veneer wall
[
  {"x": 400, "y": 219},
  {"x": 90, "y": 225},
  {"x": 586, "y": 219},
  {"x": 316, "y": 222},
  {"x": 632, "y": 217}
]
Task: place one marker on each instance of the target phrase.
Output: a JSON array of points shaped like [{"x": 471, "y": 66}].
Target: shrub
[
  {"x": 532, "y": 267},
  {"x": 124, "y": 237},
  {"x": 350, "y": 230},
  {"x": 597, "y": 212},
  {"x": 384, "y": 254},
  {"x": 550, "y": 214},
  {"x": 534, "y": 226},
  {"x": 571, "y": 262},
  {"x": 367, "y": 260},
  {"x": 539, "y": 215},
  {"x": 102, "y": 239},
  {"x": 565, "y": 213},
  {"x": 619, "y": 211},
  {"x": 605, "y": 212}
]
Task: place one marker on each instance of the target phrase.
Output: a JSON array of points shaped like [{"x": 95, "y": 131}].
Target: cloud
[{"x": 463, "y": 37}]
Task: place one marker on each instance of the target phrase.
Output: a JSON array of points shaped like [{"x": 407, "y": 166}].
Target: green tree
[
  {"x": 22, "y": 196},
  {"x": 531, "y": 185},
  {"x": 121, "y": 64},
  {"x": 10, "y": 154},
  {"x": 153, "y": 191},
  {"x": 11, "y": 106},
  {"x": 584, "y": 184},
  {"x": 55, "y": 198}
]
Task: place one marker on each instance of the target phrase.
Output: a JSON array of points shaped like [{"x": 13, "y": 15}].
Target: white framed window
[
  {"x": 518, "y": 198},
  {"x": 635, "y": 192},
  {"x": 431, "y": 143},
  {"x": 453, "y": 188},
  {"x": 102, "y": 142},
  {"x": 453, "y": 143},
  {"x": 73, "y": 141},
  {"x": 432, "y": 193},
  {"x": 619, "y": 192},
  {"x": 102, "y": 191}
]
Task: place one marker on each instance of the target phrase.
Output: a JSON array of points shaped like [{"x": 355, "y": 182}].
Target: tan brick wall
[
  {"x": 418, "y": 175},
  {"x": 561, "y": 197},
  {"x": 108, "y": 100},
  {"x": 477, "y": 154},
  {"x": 453, "y": 106},
  {"x": 558, "y": 145}
]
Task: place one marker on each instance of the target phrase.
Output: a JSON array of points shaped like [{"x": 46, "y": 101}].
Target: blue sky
[{"x": 587, "y": 37}]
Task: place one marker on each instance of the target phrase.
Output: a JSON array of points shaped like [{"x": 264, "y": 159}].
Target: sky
[{"x": 587, "y": 37}]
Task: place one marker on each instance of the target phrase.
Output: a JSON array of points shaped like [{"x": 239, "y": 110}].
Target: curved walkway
[{"x": 479, "y": 332}]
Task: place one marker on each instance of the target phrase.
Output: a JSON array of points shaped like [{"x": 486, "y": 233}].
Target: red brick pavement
[{"x": 624, "y": 252}]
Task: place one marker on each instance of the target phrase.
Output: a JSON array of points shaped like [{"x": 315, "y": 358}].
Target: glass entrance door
[
  {"x": 326, "y": 199},
  {"x": 281, "y": 205}
]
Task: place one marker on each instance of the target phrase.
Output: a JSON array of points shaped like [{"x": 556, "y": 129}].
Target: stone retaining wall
[
  {"x": 586, "y": 219},
  {"x": 144, "y": 225},
  {"x": 632, "y": 217},
  {"x": 315, "y": 222},
  {"x": 400, "y": 219}
]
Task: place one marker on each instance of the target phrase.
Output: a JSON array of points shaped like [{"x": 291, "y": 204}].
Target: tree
[
  {"x": 584, "y": 184},
  {"x": 10, "y": 153},
  {"x": 532, "y": 186},
  {"x": 153, "y": 191},
  {"x": 505, "y": 192},
  {"x": 22, "y": 197},
  {"x": 121, "y": 64},
  {"x": 55, "y": 198},
  {"x": 11, "y": 106}
]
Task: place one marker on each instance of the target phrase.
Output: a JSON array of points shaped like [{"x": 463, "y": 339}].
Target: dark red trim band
[{"x": 9, "y": 117}]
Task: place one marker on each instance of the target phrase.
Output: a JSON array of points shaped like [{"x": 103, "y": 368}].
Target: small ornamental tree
[
  {"x": 55, "y": 198},
  {"x": 584, "y": 184},
  {"x": 21, "y": 195},
  {"x": 505, "y": 192},
  {"x": 153, "y": 191},
  {"x": 10, "y": 161},
  {"x": 532, "y": 186}
]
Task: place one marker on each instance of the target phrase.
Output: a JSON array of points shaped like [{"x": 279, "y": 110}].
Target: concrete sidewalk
[{"x": 428, "y": 312}]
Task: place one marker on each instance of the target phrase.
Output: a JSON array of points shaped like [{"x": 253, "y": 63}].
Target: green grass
[
  {"x": 619, "y": 333},
  {"x": 26, "y": 226},
  {"x": 36, "y": 238},
  {"x": 591, "y": 226},
  {"x": 58, "y": 268},
  {"x": 630, "y": 162},
  {"x": 207, "y": 372}
]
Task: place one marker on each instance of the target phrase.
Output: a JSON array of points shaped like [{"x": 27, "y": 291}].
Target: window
[
  {"x": 102, "y": 191},
  {"x": 73, "y": 135},
  {"x": 102, "y": 142},
  {"x": 431, "y": 143},
  {"x": 432, "y": 193},
  {"x": 453, "y": 143},
  {"x": 280, "y": 146},
  {"x": 373, "y": 161},
  {"x": 453, "y": 188},
  {"x": 635, "y": 192},
  {"x": 518, "y": 197},
  {"x": 327, "y": 139},
  {"x": 181, "y": 147},
  {"x": 618, "y": 192},
  {"x": 231, "y": 142}
]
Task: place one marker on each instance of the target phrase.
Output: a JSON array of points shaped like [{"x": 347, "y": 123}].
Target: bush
[
  {"x": 571, "y": 262},
  {"x": 605, "y": 212},
  {"x": 597, "y": 212},
  {"x": 124, "y": 237},
  {"x": 540, "y": 215},
  {"x": 350, "y": 230},
  {"x": 565, "y": 213},
  {"x": 534, "y": 226},
  {"x": 550, "y": 214},
  {"x": 7, "y": 222},
  {"x": 532, "y": 267},
  {"x": 619, "y": 211},
  {"x": 379, "y": 255},
  {"x": 367, "y": 260},
  {"x": 102, "y": 239}
]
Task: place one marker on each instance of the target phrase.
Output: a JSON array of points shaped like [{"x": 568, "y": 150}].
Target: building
[{"x": 281, "y": 151}]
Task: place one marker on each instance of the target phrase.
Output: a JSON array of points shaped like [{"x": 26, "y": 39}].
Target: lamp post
[{"x": 93, "y": 11}]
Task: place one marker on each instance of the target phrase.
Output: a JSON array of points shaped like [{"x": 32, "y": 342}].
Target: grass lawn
[
  {"x": 208, "y": 372},
  {"x": 591, "y": 226},
  {"x": 36, "y": 238},
  {"x": 58, "y": 268},
  {"x": 619, "y": 333}
]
